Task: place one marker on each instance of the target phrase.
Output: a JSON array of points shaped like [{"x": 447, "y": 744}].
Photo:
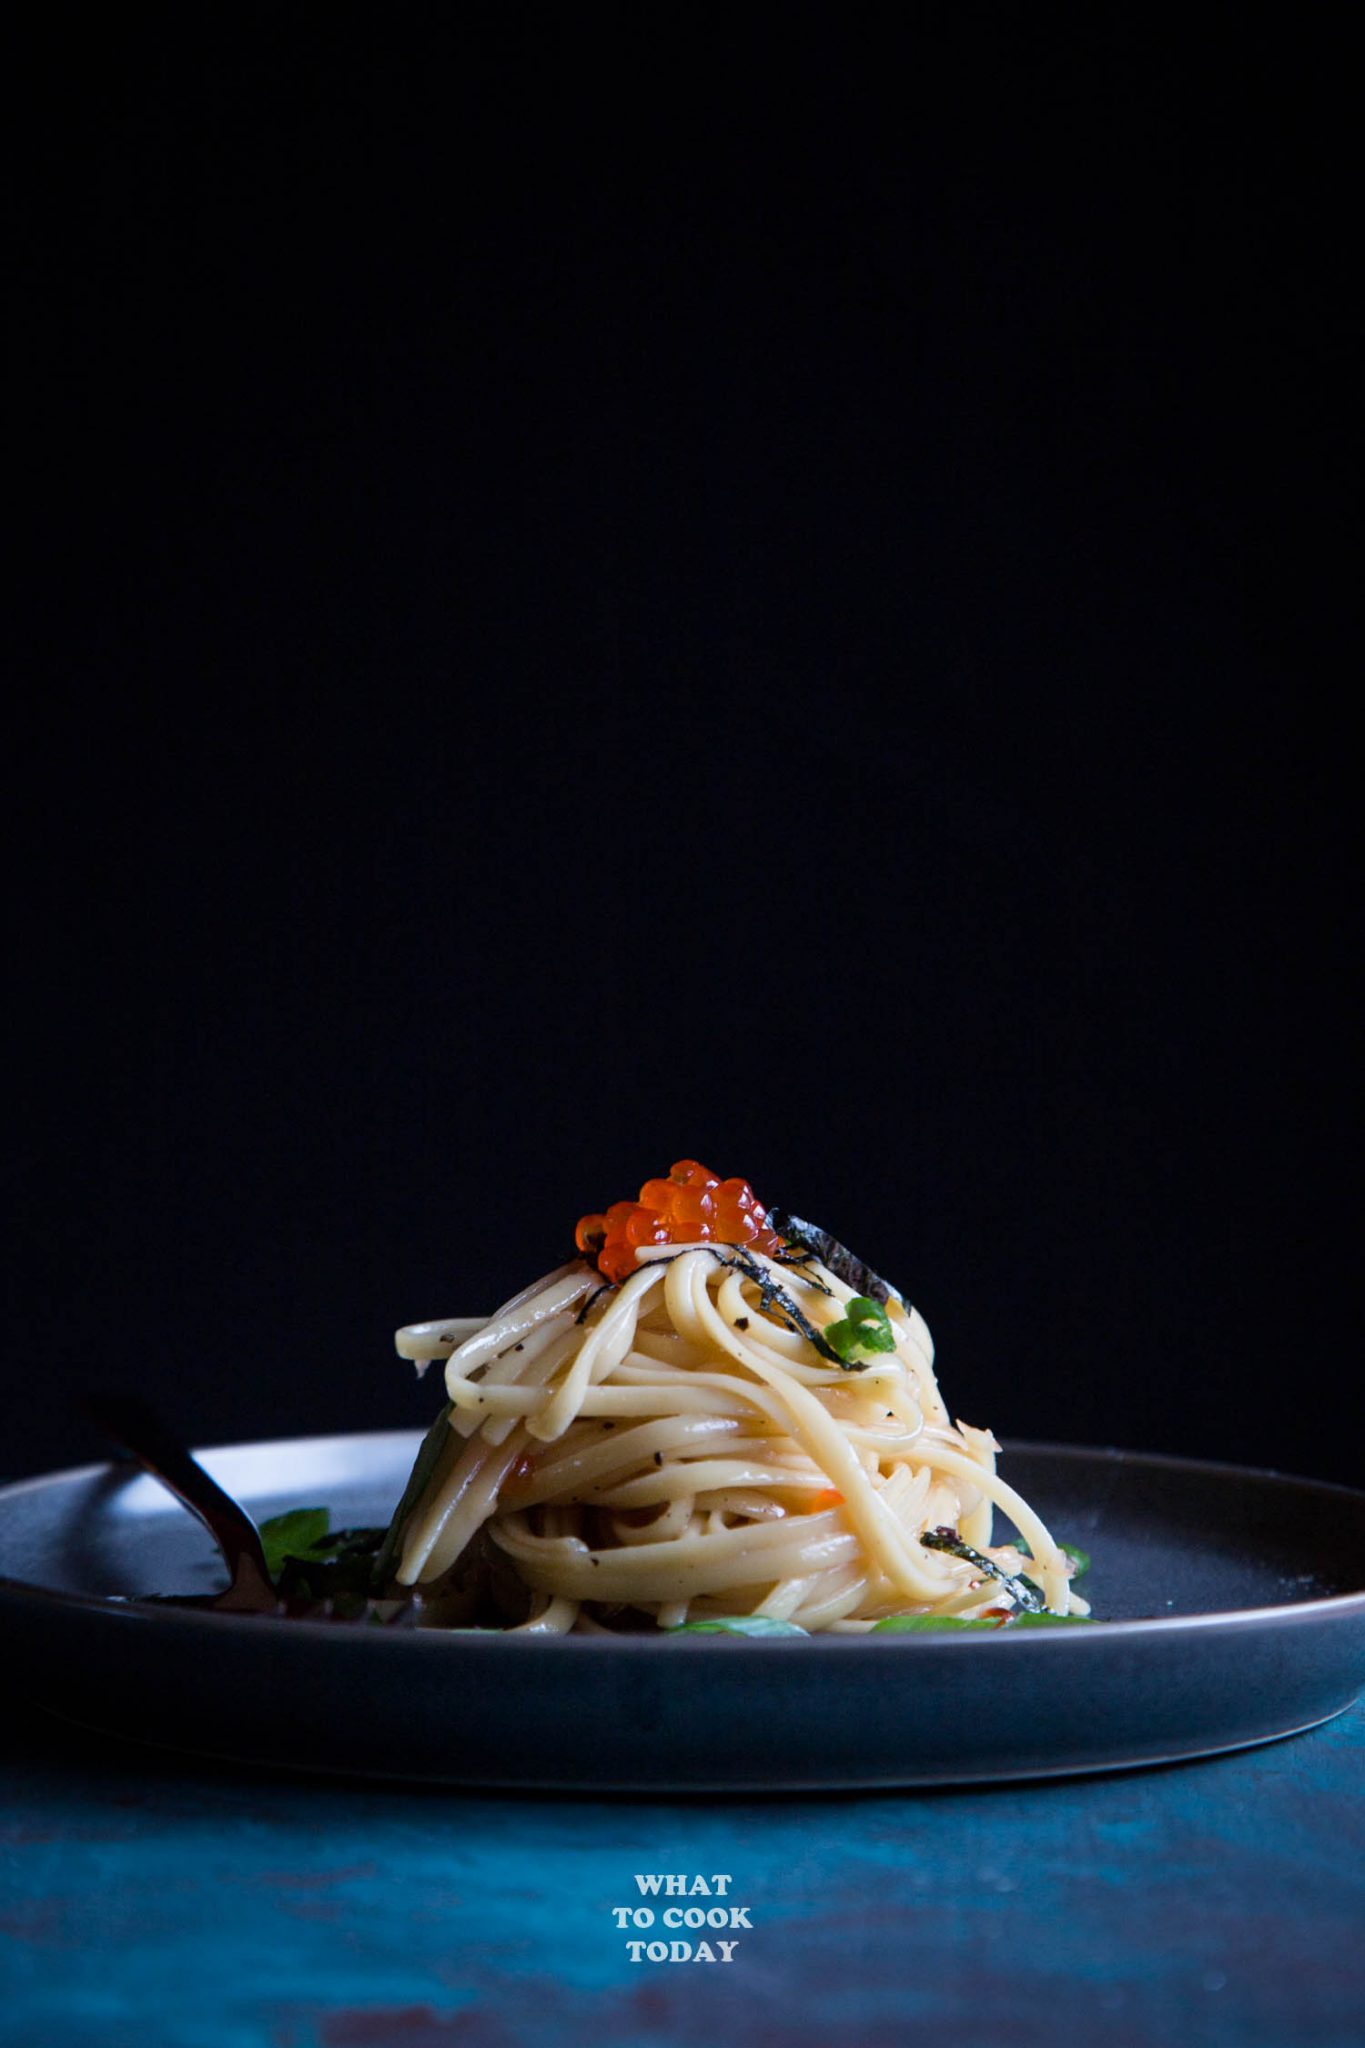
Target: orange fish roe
[{"x": 692, "y": 1206}]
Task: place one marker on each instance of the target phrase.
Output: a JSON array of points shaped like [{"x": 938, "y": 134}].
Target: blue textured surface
[{"x": 153, "y": 1901}]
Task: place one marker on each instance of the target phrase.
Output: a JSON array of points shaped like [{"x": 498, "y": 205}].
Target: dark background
[{"x": 599, "y": 584}]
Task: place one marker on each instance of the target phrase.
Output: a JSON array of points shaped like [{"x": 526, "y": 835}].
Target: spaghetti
[{"x": 729, "y": 1428}]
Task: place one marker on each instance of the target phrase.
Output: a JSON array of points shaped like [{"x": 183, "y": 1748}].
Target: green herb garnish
[
  {"x": 811, "y": 1242},
  {"x": 424, "y": 1466},
  {"x": 311, "y": 1566},
  {"x": 864, "y": 1333},
  {"x": 294, "y": 1534},
  {"x": 738, "y": 1625},
  {"x": 923, "y": 1624}
]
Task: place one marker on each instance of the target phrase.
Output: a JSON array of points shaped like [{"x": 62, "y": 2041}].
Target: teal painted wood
[{"x": 149, "y": 1901}]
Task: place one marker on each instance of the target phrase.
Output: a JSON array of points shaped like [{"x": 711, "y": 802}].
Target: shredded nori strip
[
  {"x": 776, "y": 1298},
  {"x": 1023, "y": 1591},
  {"x": 843, "y": 1263},
  {"x": 800, "y": 1261},
  {"x": 607, "y": 1287}
]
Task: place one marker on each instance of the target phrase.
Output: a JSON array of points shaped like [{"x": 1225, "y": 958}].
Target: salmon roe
[{"x": 693, "y": 1206}]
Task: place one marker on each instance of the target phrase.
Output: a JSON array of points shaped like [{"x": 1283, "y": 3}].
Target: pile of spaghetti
[{"x": 711, "y": 1412}]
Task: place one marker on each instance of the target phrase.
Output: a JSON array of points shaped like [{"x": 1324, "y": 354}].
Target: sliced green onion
[{"x": 864, "y": 1333}]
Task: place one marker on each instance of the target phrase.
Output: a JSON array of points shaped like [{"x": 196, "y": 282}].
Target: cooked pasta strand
[{"x": 676, "y": 1447}]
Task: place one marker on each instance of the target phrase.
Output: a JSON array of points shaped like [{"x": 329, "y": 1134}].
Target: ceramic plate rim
[{"x": 480, "y": 1642}]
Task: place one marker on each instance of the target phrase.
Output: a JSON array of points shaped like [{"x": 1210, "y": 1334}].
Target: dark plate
[{"x": 1232, "y": 1604}]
